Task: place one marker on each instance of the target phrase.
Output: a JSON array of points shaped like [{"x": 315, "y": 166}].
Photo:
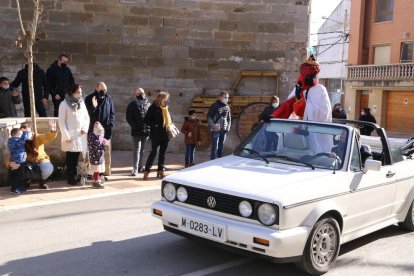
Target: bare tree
[{"x": 29, "y": 35}]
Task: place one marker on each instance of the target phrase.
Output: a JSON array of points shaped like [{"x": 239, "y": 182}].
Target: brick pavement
[{"x": 119, "y": 182}]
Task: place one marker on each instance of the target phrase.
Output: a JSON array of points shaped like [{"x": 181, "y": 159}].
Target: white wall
[{"x": 334, "y": 59}]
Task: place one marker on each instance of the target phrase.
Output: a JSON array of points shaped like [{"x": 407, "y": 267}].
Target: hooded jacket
[
  {"x": 193, "y": 126},
  {"x": 135, "y": 116},
  {"x": 59, "y": 79}
]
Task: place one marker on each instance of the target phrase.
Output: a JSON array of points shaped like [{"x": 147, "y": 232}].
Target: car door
[
  {"x": 372, "y": 193},
  {"x": 405, "y": 179}
]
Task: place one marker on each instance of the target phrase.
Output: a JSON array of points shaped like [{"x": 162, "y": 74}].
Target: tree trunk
[{"x": 29, "y": 54}]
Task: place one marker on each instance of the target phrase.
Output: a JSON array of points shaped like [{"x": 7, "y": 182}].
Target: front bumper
[{"x": 284, "y": 246}]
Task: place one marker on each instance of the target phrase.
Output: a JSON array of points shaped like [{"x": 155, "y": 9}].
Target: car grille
[{"x": 224, "y": 203}]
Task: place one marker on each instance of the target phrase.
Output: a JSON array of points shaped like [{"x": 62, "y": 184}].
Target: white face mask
[
  {"x": 77, "y": 96},
  {"x": 98, "y": 130},
  {"x": 275, "y": 105},
  {"x": 225, "y": 100},
  {"x": 6, "y": 86}
]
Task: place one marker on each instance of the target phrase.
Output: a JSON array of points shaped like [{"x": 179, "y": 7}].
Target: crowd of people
[{"x": 86, "y": 123}]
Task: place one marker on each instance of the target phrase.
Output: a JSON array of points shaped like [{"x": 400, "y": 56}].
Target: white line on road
[
  {"x": 218, "y": 268},
  {"x": 78, "y": 198}
]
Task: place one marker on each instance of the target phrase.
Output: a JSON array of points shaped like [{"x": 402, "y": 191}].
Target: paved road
[{"x": 117, "y": 236}]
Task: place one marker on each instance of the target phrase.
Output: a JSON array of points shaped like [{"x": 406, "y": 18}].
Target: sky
[{"x": 320, "y": 8}]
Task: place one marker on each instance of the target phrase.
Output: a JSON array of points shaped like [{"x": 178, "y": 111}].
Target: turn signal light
[
  {"x": 261, "y": 241},
  {"x": 157, "y": 212}
]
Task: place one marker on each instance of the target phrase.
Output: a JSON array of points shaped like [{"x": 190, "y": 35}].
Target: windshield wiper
[
  {"x": 293, "y": 160},
  {"x": 257, "y": 153}
]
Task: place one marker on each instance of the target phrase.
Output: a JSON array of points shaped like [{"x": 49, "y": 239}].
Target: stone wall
[{"x": 187, "y": 47}]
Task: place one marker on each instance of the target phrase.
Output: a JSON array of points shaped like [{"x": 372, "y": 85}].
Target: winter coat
[
  {"x": 8, "y": 103},
  {"x": 59, "y": 79},
  {"x": 338, "y": 114},
  {"x": 155, "y": 121},
  {"x": 135, "y": 116},
  {"x": 219, "y": 113},
  {"x": 39, "y": 83},
  {"x": 366, "y": 130},
  {"x": 71, "y": 123},
  {"x": 16, "y": 148},
  {"x": 39, "y": 146},
  {"x": 192, "y": 126},
  {"x": 267, "y": 112},
  {"x": 96, "y": 149},
  {"x": 104, "y": 112}
]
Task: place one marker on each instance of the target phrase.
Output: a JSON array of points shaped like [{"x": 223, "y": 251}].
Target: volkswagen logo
[{"x": 211, "y": 202}]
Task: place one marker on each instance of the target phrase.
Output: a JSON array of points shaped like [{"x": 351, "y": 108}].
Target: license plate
[{"x": 203, "y": 228}]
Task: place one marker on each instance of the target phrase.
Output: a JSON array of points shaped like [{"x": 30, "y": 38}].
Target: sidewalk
[{"x": 119, "y": 182}]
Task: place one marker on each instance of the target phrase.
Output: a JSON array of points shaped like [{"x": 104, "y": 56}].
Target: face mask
[
  {"x": 340, "y": 109},
  {"x": 103, "y": 92},
  {"x": 140, "y": 97},
  {"x": 77, "y": 96},
  {"x": 225, "y": 100},
  {"x": 362, "y": 113},
  {"x": 193, "y": 117},
  {"x": 167, "y": 102},
  {"x": 5, "y": 86},
  {"x": 63, "y": 65},
  {"x": 275, "y": 105},
  {"x": 29, "y": 135}
]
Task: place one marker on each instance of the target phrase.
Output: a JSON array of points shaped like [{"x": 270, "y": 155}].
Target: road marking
[
  {"x": 220, "y": 267},
  {"x": 78, "y": 198}
]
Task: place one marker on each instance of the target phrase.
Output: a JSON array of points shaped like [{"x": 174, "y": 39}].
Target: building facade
[
  {"x": 381, "y": 70},
  {"x": 187, "y": 47},
  {"x": 332, "y": 48}
]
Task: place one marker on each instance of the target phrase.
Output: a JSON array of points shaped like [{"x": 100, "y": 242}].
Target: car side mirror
[{"x": 372, "y": 165}]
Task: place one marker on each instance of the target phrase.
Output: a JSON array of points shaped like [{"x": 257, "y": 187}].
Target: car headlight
[
  {"x": 182, "y": 194},
  {"x": 169, "y": 192},
  {"x": 245, "y": 208},
  {"x": 266, "y": 214}
]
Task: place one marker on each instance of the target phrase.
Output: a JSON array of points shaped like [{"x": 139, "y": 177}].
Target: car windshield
[{"x": 297, "y": 142}]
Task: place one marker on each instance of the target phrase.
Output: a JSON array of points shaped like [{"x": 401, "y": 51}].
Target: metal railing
[{"x": 399, "y": 71}]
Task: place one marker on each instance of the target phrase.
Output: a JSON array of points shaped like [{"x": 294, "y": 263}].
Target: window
[
  {"x": 384, "y": 10},
  {"x": 355, "y": 158},
  {"x": 406, "y": 52}
]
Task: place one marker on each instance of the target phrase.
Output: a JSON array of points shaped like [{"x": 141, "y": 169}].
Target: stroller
[{"x": 83, "y": 168}]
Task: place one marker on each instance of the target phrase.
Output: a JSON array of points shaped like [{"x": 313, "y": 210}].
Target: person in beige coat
[{"x": 73, "y": 124}]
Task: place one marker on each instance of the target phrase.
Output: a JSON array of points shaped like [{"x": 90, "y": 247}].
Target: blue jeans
[
  {"x": 217, "y": 143},
  {"x": 189, "y": 153},
  {"x": 46, "y": 169}
]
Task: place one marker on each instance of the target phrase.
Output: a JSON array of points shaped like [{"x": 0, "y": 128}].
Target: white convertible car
[{"x": 293, "y": 191}]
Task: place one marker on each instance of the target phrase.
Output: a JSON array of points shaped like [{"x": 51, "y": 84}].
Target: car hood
[{"x": 249, "y": 178}]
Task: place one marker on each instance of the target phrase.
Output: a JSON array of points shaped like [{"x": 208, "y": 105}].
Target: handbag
[
  {"x": 32, "y": 171},
  {"x": 172, "y": 131}
]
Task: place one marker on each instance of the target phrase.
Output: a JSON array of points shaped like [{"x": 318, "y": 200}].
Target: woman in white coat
[{"x": 73, "y": 124}]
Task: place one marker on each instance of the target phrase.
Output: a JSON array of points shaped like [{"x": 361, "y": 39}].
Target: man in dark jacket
[
  {"x": 272, "y": 139},
  {"x": 135, "y": 116},
  {"x": 367, "y": 117},
  {"x": 101, "y": 108},
  {"x": 8, "y": 99},
  {"x": 59, "y": 78},
  {"x": 40, "y": 89},
  {"x": 219, "y": 121}
]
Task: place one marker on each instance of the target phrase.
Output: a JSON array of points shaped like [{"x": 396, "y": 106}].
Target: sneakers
[
  {"x": 16, "y": 191},
  {"x": 140, "y": 169},
  {"x": 97, "y": 185},
  {"x": 134, "y": 172}
]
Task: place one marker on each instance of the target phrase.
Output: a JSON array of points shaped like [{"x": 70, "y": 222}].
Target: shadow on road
[{"x": 162, "y": 254}]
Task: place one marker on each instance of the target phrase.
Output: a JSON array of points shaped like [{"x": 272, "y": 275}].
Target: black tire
[
  {"x": 317, "y": 258},
  {"x": 408, "y": 223}
]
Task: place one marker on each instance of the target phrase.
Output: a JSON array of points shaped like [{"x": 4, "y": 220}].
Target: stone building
[{"x": 187, "y": 47}]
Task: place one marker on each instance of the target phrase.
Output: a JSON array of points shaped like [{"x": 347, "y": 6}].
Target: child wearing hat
[
  {"x": 96, "y": 147},
  {"x": 191, "y": 131}
]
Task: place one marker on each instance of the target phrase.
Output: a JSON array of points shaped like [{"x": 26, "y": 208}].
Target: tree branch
[{"x": 20, "y": 18}]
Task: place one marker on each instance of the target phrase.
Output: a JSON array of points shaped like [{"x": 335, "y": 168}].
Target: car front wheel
[
  {"x": 322, "y": 247},
  {"x": 408, "y": 223}
]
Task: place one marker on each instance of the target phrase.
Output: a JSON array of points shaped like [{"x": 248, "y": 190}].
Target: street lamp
[{"x": 326, "y": 18}]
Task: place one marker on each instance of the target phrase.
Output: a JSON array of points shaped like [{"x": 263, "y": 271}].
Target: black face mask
[
  {"x": 310, "y": 80},
  {"x": 63, "y": 65},
  {"x": 102, "y": 92},
  {"x": 140, "y": 97}
]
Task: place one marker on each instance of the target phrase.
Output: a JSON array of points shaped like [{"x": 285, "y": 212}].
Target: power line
[
  {"x": 333, "y": 32},
  {"x": 335, "y": 43}
]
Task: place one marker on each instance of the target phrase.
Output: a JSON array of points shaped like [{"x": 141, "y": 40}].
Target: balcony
[{"x": 399, "y": 71}]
